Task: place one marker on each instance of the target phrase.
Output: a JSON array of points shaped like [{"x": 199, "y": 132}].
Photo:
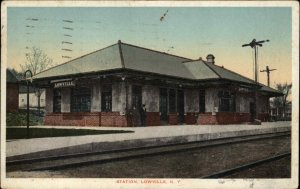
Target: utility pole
[
  {"x": 268, "y": 73},
  {"x": 25, "y": 76},
  {"x": 254, "y": 45}
]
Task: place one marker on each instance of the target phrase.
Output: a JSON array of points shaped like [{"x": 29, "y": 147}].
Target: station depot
[{"x": 105, "y": 87}]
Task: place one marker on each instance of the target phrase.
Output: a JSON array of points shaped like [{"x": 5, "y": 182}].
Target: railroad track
[
  {"x": 84, "y": 159},
  {"x": 228, "y": 172}
]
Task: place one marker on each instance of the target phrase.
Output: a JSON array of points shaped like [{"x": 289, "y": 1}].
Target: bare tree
[
  {"x": 282, "y": 101},
  {"x": 36, "y": 61}
]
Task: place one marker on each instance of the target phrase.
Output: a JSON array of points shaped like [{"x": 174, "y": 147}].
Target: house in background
[
  {"x": 12, "y": 92},
  {"x": 277, "y": 113},
  {"x": 103, "y": 87},
  {"x": 33, "y": 98}
]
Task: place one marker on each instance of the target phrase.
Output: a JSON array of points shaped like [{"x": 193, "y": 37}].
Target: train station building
[{"x": 101, "y": 88}]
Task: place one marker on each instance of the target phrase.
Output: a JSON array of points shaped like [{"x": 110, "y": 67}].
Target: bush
[{"x": 20, "y": 118}]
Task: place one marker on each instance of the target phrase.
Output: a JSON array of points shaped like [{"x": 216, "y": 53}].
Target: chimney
[{"x": 210, "y": 59}]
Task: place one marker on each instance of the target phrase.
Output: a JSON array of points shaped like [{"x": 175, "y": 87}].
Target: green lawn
[
  {"x": 20, "y": 133},
  {"x": 20, "y": 118}
]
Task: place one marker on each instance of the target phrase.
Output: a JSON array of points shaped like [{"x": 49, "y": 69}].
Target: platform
[{"x": 142, "y": 136}]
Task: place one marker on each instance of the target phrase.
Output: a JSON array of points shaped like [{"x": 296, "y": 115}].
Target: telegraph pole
[
  {"x": 268, "y": 73},
  {"x": 254, "y": 45},
  {"x": 25, "y": 76}
]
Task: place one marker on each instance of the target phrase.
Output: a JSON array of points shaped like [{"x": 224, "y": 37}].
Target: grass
[
  {"x": 20, "y": 133},
  {"x": 20, "y": 118}
]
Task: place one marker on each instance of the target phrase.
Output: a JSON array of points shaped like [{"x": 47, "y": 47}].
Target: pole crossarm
[
  {"x": 268, "y": 70},
  {"x": 254, "y": 45}
]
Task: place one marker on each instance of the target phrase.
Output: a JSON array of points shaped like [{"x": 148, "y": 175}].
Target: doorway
[
  {"x": 163, "y": 105},
  {"x": 252, "y": 111},
  {"x": 137, "y": 96},
  {"x": 180, "y": 106}
]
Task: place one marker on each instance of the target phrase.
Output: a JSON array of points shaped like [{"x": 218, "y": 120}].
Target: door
[
  {"x": 136, "y": 96},
  {"x": 252, "y": 111},
  {"x": 163, "y": 105},
  {"x": 180, "y": 106}
]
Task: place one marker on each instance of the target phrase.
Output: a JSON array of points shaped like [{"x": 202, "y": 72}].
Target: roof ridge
[
  {"x": 154, "y": 50},
  {"x": 212, "y": 69},
  {"x": 236, "y": 73},
  {"x": 121, "y": 53},
  {"x": 75, "y": 59}
]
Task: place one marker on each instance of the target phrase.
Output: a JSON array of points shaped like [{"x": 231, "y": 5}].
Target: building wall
[
  {"x": 243, "y": 102},
  {"x": 96, "y": 98},
  {"x": 211, "y": 99},
  {"x": 12, "y": 91},
  {"x": 33, "y": 100},
  {"x": 191, "y": 100},
  {"x": 119, "y": 97},
  {"x": 65, "y": 99},
  {"x": 191, "y": 106},
  {"x": 263, "y": 102},
  {"x": 49, "y": 100},
  {"x": 150, "y": 97}
]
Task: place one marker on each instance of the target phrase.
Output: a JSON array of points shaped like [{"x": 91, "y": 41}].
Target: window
[
  {"x": 226, "y": 101},
  {"x": 106, "y": 98},
  {"x": 202, "y": 101},
  {"x": 57, "y": 100},
  {"x": 172, "y": 100},
  {"x": 80, "y": 99},
  {"x": 22, "y": 99},
  {"x": 42, "y": 100},
  {"x": 136, "y": 96}
]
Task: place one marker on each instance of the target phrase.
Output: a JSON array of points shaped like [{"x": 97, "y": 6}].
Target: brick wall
[
  {"x": 232, "y": 117},
  {"x": 173, "y": 119},
  {"x": 12, "y": 97},
  {"x": 190, "y": 118},
  {"x": 113, "y": 119},
  {"x": 223, "y": 118},
  {"x": 152, "y": 118},
  {"x": 206, "y": 119},
  {"x": 73, "y": 119}
]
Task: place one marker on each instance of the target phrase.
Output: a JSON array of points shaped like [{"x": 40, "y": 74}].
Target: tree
[
  {"x": 281, "y": 102},
  {"x": 36, "y": 61},
  {"x": 18, "y": 75}
]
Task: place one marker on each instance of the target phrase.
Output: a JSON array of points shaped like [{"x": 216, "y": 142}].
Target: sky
[{"x": 190, "y": 32}]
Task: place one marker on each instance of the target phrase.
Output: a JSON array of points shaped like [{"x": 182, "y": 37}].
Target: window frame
[
  {"x": 80, "y": 99},
  {"x": 106, "y": 98},
  {"x": 202, "y": 100},
  {"x": 227, "y": 101},
  {"x": 57, "y": 100}
]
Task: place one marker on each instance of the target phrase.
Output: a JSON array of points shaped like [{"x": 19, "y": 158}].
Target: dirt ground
[{"x": 191, "y": 164}]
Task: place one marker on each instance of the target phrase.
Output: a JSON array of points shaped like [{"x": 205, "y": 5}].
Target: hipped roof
[{"x": 130, "y": 57}]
